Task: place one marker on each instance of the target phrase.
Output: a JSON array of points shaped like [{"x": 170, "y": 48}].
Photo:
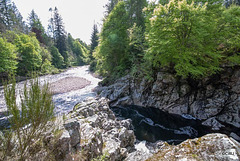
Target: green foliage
[
  {"x": 183, "y": 36},
  {"x": 231, "y": 34},
  {"x": 111, "y": 54},
  {"x": 29, "y": 53},
  {"x": 94, "y": 44},
  {"x": 57, "y": 59},
  {"x": 136, "y": 47},
  {"x": 135, "y": 12},
  {"x": 29, "y": 121},
  {"x": 37, "y": 27},
  {"x": 11, "y": 18},
  {"x": 78, "y": 52},
  {"x": 60, "y": 37},
  {"x": 8, "y": 57},
  {"x": 46, "y": 66}
]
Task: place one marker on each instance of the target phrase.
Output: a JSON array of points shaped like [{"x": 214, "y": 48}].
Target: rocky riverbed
[{"x": 91, "y": 130}]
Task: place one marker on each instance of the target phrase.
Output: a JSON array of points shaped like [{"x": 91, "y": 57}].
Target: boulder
[
  {"x": 209, "y": 147},
  {"x": 73, "y": 128}
]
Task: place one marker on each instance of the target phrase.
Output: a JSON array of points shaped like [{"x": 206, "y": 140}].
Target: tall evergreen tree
[
  {"x": 36, "y": 26},
  {"x": 10, "y": 17},
  {"x": 60, "y": 37},
  {"x": 94, "y": 40}
]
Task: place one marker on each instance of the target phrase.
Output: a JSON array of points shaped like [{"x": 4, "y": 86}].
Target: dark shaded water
[{"x": 151, "y": 124}]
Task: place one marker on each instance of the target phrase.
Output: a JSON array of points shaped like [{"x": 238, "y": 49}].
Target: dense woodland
[
  {"x": 28, "y": 46},
  {"x": 190, "y": 38}
]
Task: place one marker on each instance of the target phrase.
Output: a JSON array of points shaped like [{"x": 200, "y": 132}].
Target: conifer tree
[
  {"x": 60, "y": 36},
  {"x": 36, "y": 26},
  {"x": 94, "y": 40},
  {"x": 10, "y": 17}
]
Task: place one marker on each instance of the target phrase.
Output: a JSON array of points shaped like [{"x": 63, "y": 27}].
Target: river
[{"x": 64, "y": 102}]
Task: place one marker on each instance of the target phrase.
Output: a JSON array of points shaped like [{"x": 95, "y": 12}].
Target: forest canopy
[
  {"x": 190, "y": 38},
  {"x": 28, "y": 46}
]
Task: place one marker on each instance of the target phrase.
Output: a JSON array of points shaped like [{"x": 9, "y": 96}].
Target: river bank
[{"x": 69, "y": 87}]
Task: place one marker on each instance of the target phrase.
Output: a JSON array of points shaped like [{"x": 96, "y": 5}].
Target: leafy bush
[
  {"x": 28, "y": 122},
  {"x": 57, "y": 58},
  {"x": 8, "y": 56},
  {"x": 29, "y": 53}
]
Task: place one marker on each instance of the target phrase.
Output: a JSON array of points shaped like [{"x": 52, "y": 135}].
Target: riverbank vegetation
[
  {"x": 193, "y": 39},
  {"x": 28, "y": 46},
  {"x": 29, "y": 123}
]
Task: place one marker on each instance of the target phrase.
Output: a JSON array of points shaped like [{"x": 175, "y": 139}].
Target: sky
[{"x": 78, "y": 15}]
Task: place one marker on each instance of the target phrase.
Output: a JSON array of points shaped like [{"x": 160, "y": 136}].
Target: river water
[
  {"x": 152, "y": 124},
  {"x": 63, "y": 102}
]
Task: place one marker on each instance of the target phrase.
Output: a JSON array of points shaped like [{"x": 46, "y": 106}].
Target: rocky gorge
[
  {"x": 91, "y": 131},
  {"x": 214, "y": 100}
]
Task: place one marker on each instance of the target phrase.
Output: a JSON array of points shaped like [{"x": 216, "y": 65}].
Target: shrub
[{"x": 29, "y": 121}]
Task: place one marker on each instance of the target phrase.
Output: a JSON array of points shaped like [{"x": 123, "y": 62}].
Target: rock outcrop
[
  {"x": 215, "y": 100},
  {"x": 209, "y": 147},
  {"x": 91, "y": 131}
]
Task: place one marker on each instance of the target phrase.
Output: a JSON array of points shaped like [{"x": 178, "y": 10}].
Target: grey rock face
[
  {"x": 217, "y": 96},
  {"x": 103, "y": 134},
  {"x": 100, "y": 131},
  {"x": 73, "y": 128},
  {"x": 209, "y": 147}
]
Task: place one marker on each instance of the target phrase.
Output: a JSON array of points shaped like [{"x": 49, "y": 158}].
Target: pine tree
[
  {"x": 111, "y": 4},
  {"x": 36, "y": 26},
  {"x": 94, "y": 41},
  {"x": 10, "y": 17},
  {"x": 60, "y": 37}
]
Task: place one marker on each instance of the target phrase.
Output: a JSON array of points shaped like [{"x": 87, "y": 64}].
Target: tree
[
  {"x": 112, "y": 52},
  {"x": 182, "y": 36},
  {"x": 111, "y": 4},
  {"x": 46, "y": 65},
  {"x": 230, "y": 34},
  {"x": 10, "y": 17},
  {"x": 135, "y": 12},
  {"x": 29, "y": 50},
  {"x": 8, "y": 56},
  {"x": 94, "y": 40},
  {"x": 60, "y": 36},
  {"x": 57, "y": 59},
  {"x": 94, "y": 44},
  {"x": 136, "y": 47},
  {"x": 37, "y": 27}
]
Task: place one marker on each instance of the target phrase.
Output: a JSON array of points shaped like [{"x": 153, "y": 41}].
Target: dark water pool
[{"x": 152, "y": 124}]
